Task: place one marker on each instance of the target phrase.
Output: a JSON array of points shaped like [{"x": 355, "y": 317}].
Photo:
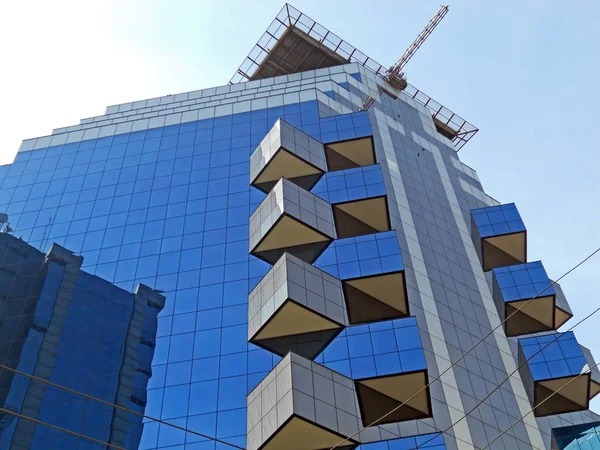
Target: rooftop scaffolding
[{"x": 296, "y": 43}]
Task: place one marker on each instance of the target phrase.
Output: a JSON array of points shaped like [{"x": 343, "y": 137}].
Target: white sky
[{"x": 67, "y": 60}]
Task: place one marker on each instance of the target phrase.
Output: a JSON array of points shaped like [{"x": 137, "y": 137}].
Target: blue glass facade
[
  {"x": 169, "y": 208},
  {"x": 362, "y": 256},
  {"x": 351, "y": 184},
  {"x": 374, "y": 350}
]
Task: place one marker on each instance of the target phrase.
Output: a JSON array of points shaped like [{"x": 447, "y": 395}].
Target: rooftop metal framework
[{"x": 295, "y": 43}]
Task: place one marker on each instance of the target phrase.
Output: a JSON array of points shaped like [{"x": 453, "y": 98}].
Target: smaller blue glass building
[
  {"x": 578, "y": 437},
  {"x": 77, "y": 331}
]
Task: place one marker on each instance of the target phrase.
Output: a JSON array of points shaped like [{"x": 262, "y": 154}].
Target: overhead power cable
[
  {"x": 508, "y": 378},
  {"x": 154, "y": 419},
  {"x": 539, "y": 404},
  {"x": 64, "y": 430},
  {"x": 122, "y": 408},
  {"x": 376, "y": 421}
]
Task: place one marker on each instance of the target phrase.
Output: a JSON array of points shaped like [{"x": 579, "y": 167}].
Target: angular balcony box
[
  {"x": 387, "y": 363},
  {"x": 499, "y": 236},
  {"x": 556, "y": 373},
  {"x": 287, "y": 152},
  {"x": 513, "y": 290},
  {"x": 301, "y": 405},
  {"x": 296, "y": 307},
  {"x": 291, "y": 220},
  {"x": 381, "y": 391},
  {"x": 372, "y": 274},
  {"x": 358, "y": 199}
]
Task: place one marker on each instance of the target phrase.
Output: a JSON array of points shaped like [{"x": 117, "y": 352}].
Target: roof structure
[{"x": 296, "y": 43}]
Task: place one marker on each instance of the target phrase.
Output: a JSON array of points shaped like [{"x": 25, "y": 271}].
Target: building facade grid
[{"x": 158, "y": 192}]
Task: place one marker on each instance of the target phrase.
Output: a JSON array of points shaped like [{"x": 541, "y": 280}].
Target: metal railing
[{"x": 289, "y": 16}]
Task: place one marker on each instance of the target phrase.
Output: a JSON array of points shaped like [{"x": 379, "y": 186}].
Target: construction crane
[{"x": 394, "y": 75}]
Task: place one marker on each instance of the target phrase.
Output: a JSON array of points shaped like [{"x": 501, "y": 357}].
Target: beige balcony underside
[
  {"x": 292, "y": 319},
  {"x": 284, "y": 164},
  {"x": 299, "y": 434},
  {"x": 532, "y": 316},
  {"x": 379, "y": 396},
  {"x": 350, "y": 154},
  {"x": 289, "y": 232},
  {"x": 292, "y": 236},
  {"x": 505, "y": 250},
  {"x": 568, "y": 394},
  {"x": 360, "y": 217},
  {"x": 377, "y": 297}
]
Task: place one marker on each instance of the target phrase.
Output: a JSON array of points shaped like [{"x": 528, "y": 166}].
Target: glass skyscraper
[{"x": 296, "y": 260}]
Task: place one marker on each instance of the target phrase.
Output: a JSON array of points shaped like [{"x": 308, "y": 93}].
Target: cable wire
[
  {"x": 89, "y": 397},
  {"x": 539, "y": 404},
  {"x": 122, "y": 408},
  {"x": 154, "y": 419},
  {"x": 46, "y": 424},
  {"x": 375, "y": 422},
  {"x": 558, "y": 336}
]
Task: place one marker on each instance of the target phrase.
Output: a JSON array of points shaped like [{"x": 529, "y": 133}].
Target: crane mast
[{"x": 394, "y": 75}]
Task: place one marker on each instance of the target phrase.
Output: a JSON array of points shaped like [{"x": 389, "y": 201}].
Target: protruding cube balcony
[
  {"x": 287, "y": 152},
  {"x": 557, "y": 376},
  {"x": 301, "y": 405},
  {"x": 513, "y": 289},
  {"x": 358, "y": 199},
  {"x": 372, "y": 274},
  {"x": 291, "y": 220},
  {"x": 296, "y": 307},
  {"x": 499, "y": 236},
  {"x": 387, "y": 362}
]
